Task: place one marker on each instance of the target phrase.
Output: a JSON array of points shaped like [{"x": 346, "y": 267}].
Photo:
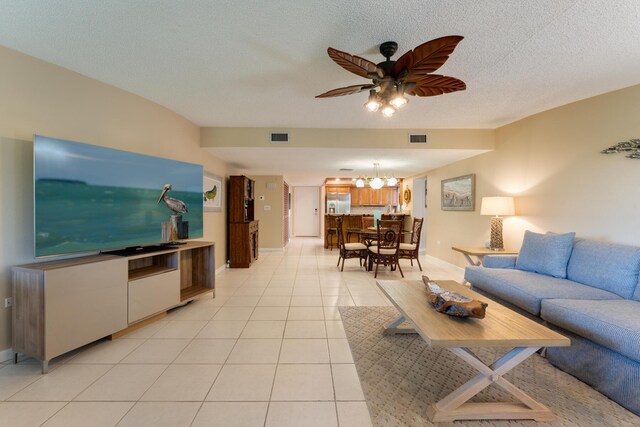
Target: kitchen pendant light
[{"x": 376, "y": 182}]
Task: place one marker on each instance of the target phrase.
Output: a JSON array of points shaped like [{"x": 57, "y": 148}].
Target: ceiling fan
[{"x": 409, "y": 75}]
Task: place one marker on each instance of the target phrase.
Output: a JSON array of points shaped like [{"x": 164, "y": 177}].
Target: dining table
[{"x": 369, "y": 234}]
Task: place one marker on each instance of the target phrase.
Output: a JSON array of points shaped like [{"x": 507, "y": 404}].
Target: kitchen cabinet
[
  {"x": 367, "y": 196},
  {"x": 340, "y": 189}
]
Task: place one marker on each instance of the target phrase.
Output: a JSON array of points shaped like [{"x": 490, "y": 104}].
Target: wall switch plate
[
  {"x": 8, "y": 302},
  {"x": 267, "y": 207}
]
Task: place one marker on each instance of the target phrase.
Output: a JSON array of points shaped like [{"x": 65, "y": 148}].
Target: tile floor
[{"x": 270, "y": 350}]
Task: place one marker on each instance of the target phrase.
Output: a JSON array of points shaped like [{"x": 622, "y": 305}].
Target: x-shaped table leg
[{"x": 455, "y": 405}]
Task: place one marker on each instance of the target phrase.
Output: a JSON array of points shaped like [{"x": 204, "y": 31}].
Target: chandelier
[{"x": 376, "y": 182}]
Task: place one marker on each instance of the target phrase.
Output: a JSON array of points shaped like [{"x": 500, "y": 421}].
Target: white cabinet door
[
  {"x": 153, "y": 294},
  {"x": 84, "y": 303}
]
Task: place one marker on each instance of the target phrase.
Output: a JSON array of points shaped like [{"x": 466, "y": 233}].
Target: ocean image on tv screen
[{"x": 89, "y": 198}]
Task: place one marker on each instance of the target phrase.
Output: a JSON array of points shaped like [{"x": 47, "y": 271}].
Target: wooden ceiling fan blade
[
  {"x": 435, "y": 84},
  {"x": 348, "y": 90},
  {"x": 427, "y": 57},
  {"x": 355, "y": 64}
]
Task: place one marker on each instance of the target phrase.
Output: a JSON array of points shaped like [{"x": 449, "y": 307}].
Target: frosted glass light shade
[
  {"x": 497, "y": 206},
  {"x": 376, "y": 183}
]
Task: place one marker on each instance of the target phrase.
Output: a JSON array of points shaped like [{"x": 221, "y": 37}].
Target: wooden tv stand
[{"x": 59, "y": 306}]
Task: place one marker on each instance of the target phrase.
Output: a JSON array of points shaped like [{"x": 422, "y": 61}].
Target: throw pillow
[{"x": 545, "y": 253}]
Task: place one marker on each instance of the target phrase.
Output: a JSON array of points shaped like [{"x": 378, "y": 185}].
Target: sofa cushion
[
  {"x": 545, "y": 253},
  {"x": 607, "y": 266},
  {"x": 526, "y": 290},
  {"x": 499, "y": 261},
  {"x": 612, "y": 324}
]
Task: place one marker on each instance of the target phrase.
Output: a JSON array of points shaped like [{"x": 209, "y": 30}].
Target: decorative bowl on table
[{"x": 452, "y": 303}]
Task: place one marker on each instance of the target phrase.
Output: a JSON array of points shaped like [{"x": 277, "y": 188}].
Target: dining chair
[
  {"x": 388, "y": 246},
  {"x": 330, "y": 231},
  {"x": 354, "y": 225},
  {"x": 410, "y": 250},
  {"x": 348, "y": 250}
]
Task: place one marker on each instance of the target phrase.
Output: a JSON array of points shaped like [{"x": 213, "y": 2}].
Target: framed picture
[
  {"x": 212, "y": 192},
  {"x": 459, "y": 193}
]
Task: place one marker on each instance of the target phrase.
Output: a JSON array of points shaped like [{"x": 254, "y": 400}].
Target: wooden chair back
[
  {"x": 354, "y": 222},
  {"x": 394, "y": 217},
  {"x": 389, "y": 232},
  {"x": 338, "y": 225},
  {"x": 367, "y": 221},
  {"x": 416, "y": 231},
  {"x": 331, "y": 221}
]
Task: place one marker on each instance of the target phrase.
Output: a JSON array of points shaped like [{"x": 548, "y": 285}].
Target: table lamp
[{"x": 497, "y": 206}]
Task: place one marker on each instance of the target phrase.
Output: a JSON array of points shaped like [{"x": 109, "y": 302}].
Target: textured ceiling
[{"x": 260, "y": 63}]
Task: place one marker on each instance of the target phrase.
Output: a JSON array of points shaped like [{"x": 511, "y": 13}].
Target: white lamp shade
[{"x": 497, "y": 206}]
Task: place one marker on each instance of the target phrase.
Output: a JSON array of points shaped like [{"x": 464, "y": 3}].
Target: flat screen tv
[{"x": 90, "y": 198}]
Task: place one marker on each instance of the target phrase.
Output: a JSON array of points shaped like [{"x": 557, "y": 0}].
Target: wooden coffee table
[{"x": 501, "y": 327}]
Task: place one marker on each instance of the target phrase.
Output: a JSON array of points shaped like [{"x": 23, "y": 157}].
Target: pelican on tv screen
[{"x": 90, "y": 198}]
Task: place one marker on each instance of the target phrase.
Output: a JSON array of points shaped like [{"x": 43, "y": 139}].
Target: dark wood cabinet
[{"x": 243, "y": 229}]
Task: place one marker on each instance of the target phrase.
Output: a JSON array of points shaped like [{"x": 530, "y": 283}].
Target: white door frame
[{"x": 418, "y": 208}]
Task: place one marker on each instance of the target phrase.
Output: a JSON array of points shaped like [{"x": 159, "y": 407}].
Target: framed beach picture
[
  {"x": 212, "y": 189},
  {"x": 459, "y": 193}
]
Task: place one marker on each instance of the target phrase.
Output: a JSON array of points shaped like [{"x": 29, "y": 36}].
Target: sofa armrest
[{"x": 499, "y": 261}]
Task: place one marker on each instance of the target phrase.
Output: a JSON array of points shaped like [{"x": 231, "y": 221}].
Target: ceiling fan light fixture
[
  {"x": 399, "y": 101},
  {"x": 373, "y": 104},
  {"x": 388, "y": 110},
  {"x": 412, "y": 74}
]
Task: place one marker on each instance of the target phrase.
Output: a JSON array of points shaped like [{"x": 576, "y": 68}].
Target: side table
[{"x": 480, "y": 252}]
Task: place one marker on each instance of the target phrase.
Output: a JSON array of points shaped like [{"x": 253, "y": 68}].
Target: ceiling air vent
[
  {"x": 417, "y": 138},
  {"x": 279, "y": 138}
]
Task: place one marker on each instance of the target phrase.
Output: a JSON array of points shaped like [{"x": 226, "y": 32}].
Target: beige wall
[
  {"x": 271, "y": 226},
  {"x": 38, "y": 97},
  {"x": 472, "y": 139},
  {"x": 552, "y": 163}
]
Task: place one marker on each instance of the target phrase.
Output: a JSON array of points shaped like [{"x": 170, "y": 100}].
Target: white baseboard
[
  {"x": 221, "y": 268},
  {"x": 6, "y": 354},
  {"x": 444, "y": 263}
]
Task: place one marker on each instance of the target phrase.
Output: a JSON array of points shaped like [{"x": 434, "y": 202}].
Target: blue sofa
[{"x": 596, "y": 304}]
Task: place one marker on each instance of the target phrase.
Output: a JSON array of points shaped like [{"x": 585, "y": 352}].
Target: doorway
[
  {"x": 306, "y": 211},
  {"x": 419, "y": 207}
]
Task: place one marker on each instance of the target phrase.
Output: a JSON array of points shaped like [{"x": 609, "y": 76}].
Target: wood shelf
[
  {"x": 151, "y": 270},
  {"x": 193, "y": 291}
]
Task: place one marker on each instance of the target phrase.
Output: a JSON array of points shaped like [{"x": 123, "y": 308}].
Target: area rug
[{"x": 401, "y": 376}]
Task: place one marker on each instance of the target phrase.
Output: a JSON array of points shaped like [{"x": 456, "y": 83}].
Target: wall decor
[
  {"x": 407, "y": 196},
  {"x": 631, "y": 146},
  {"x": 212, "y": 192},
  {"x": 458, "y": 194}
]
